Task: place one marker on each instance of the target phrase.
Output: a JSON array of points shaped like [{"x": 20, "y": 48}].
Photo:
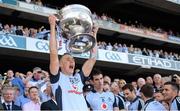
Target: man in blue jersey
[
  {"x": 170, "y": 93},
  {"x": 147, "y": 92},
  {"x": 130, "y": 95},
  {"x": 67, "y": 86},
  {"x": 98, "y": 99},
  {"x": 119, "y": 99}
]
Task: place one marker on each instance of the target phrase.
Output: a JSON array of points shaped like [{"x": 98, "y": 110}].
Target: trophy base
[{"x": 81, "y": 43}]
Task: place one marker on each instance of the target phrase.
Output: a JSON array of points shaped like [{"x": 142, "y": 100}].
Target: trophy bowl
[{"x": 76, "y": 23}]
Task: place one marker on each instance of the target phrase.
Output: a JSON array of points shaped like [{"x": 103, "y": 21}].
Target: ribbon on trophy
[{"x": 59, "y": 36}]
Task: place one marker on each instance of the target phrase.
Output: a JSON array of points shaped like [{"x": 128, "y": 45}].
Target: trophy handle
[{"x": 81, "y": 43}]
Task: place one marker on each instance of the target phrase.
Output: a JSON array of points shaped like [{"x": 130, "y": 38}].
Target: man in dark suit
[
  {"x": 51, "y": 104},
  {"x": 8, "y": 95}
]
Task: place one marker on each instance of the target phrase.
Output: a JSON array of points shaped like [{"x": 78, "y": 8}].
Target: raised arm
[
  {"x": 88, "y": 65},
  {"x": 54, "y": 60}
]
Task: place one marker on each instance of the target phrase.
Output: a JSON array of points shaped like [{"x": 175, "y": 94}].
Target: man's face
[
  {"x": 9, "y": 95},
  {"x": 134, "y": 85},
  {"x": 128, "y": 95},
  {"x": 33, "y": 94},
  {"x": 67, "y": 64},
  {"x": 115, "y": 87},
  {"x": 141, "y": 82},
  {"x": 158, "y": 96},
  {"x": 37, "y": 74},
  {"x": 10, "y": 74},
  {"x": 168, "y": 93},
  {"x": 157, "y": 78},
  {"x": 27, "y": 86},
  {"x": 149, "y": 80},
  {"x": 98, "y": 81}
]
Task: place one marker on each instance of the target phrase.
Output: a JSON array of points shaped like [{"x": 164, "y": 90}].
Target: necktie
[{"x": 8, "y": 107}]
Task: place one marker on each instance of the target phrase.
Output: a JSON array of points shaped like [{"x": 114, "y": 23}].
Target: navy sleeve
[
  {"x": 54, "y": 78},
  {"x": 120, "y": 103},
  {"x": 83, "y": 78},
  {"x": 139, "y": 105},
  {"x": 87, "y": 103},
  {"x": 115, "y": 103}
]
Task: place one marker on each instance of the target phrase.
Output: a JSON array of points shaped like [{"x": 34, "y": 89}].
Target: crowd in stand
[
  {"x": 136, "y": 50},
  {"x": 43, "y": 33},
  {"x": 37, "y": 2},
  {"x": 136, "y": 24},
  {"x": 24, "y": 31},
  {"x": 32, "y": 91}
]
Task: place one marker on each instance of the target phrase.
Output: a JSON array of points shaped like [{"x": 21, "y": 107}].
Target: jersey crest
[{"x": 104, "y": 106}]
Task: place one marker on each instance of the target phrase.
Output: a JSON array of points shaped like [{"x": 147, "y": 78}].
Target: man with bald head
[
  {"x": 140, "y": 83},
  {"x": 157, "y": 82}
]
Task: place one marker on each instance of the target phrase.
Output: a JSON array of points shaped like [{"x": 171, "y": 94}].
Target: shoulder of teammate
[{"x": 178, "y": 99}]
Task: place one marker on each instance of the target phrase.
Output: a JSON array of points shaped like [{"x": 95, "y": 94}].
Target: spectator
[
  {"x": 131, "y": 49},
  {"x": 134, "y": 83},
  {"x": 15, "y": 81},
  {"x": 39, "y": 2},
  {"x": 8, "y": 95},
  {"x": 33, "y": 32},
  {"x": 150, "y": 53},
  {"x": 98, "y": 99},
  {"x": 145, "y": 52},
  {"x": 121, "y": 83},
  {"x": 36, "y": 79},
  {"x": 109, "y": 47},
  {"x": 72, "y": 90},
  {"x": 94, "y": 16},
  {"x": 149, "y": 80},
  {"x": 51, "y": 104},
  {"x": 156, "y": 53},
  {"x": 161, "y": 54},
  {"x": 124, "y": 48},
  {"x": 116, "y": 80},
  {"x": 46, "y": 94},
  {"x": 106, "y": 87},
  {"x": 28, "y": 1},
  {"x": 120, "y": 49},
  {"x": 140, "y": 83},
  {"x": 170, "y": 93},
  {"x": 119, "y": 99},
  {"x": 34, "y": 104},
  {"x": 115, "y": 47},
  {"x": 171, "y": 57},
  {"x": 176, "y": 79},
  {"x": 24, "y": 98},
  {"x": 6, "y": 29},
  {"x": 19, "y": 30},
  {"x": 147, "y": 93},
  {"x": 107, "y": 79},
  {"x": 130, "y": 95},
  {"x": 12, "y": 29},
  {"x": 26, "y": 32},
  {"x": 157, "y": 82}
]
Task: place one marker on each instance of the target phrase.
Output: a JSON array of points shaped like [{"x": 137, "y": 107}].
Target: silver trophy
[{"x": 76, "y": 24}]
